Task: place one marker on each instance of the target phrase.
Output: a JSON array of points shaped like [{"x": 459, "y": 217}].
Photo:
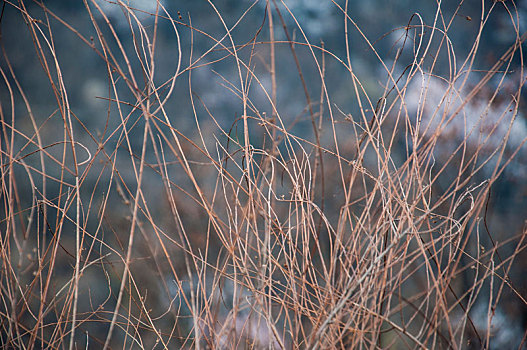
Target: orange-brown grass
[{"x": 144, "y": 227}]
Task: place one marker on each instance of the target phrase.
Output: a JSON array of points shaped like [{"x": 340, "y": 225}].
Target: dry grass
[{"x": 250, "y": 231}]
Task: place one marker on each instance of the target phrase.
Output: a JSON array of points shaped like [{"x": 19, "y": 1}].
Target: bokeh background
[{"x": 209, "y": 84}]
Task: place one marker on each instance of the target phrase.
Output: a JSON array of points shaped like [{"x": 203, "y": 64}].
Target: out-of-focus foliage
[{"x": 352, "y": 175}]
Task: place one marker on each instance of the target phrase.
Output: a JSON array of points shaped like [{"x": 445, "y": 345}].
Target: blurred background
[{"x": 207, "y": 93}]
